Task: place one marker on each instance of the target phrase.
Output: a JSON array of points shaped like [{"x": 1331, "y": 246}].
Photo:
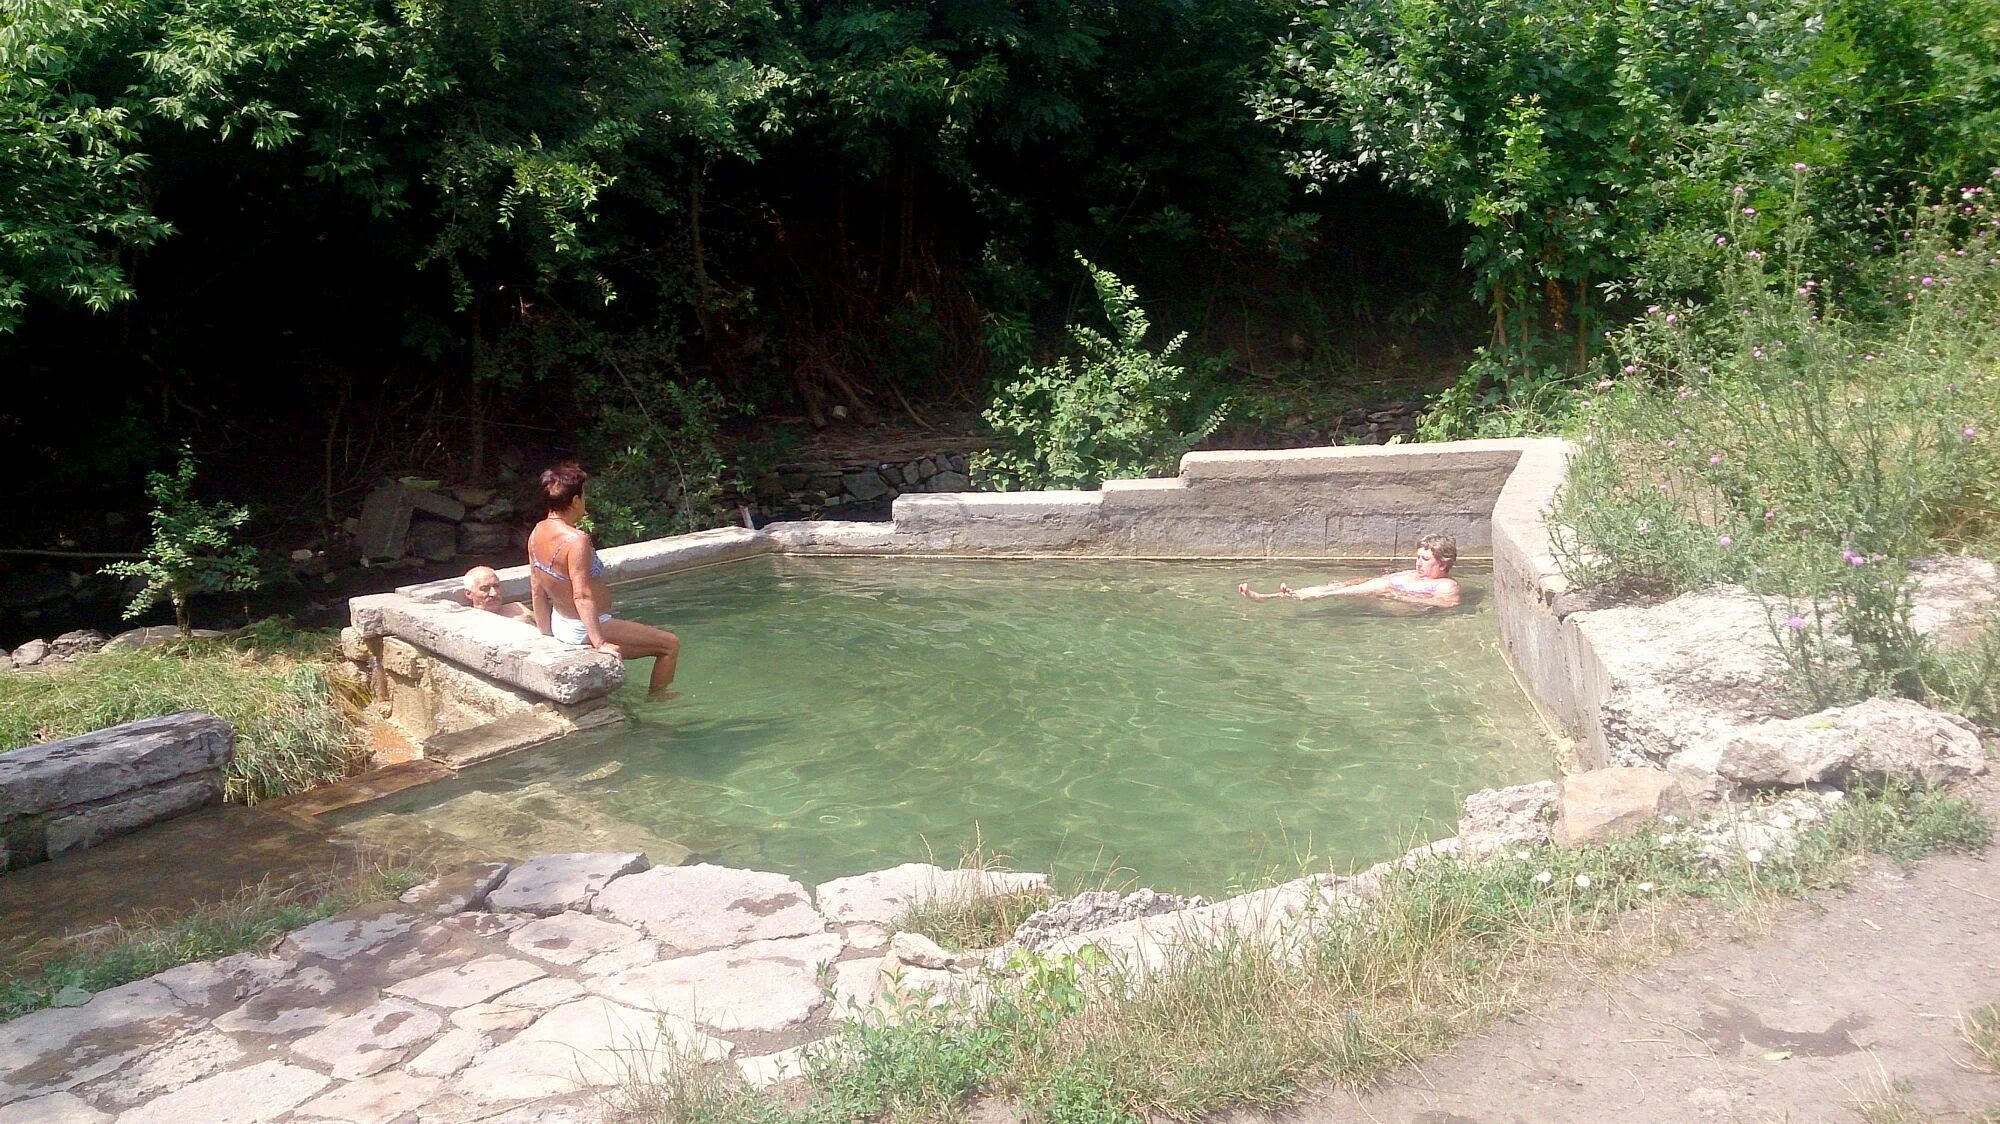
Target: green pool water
[{"x": 1130, "y": 720}]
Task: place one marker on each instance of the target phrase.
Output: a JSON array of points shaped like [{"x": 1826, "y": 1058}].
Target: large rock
[
  {"x": 1953, "y": 600},
  {"x": 549, "y": 884},
  {"x": 369, "y": 1040},
  {"x": 112, "y": 761},
  {"x": 589, "y": 1043},
  {"x": 260, "y": 1093},
  {"x": 570, "y": 938},
  {"x": 487, "y": 538},
  {"x": 433, "y": 539},
  {"x": 466, "y": 984},
  {"x": 77, "y": 644},
  {"x": 31, "y": 653},
  {"x": 56, "y": 1049},
  {"x": 1685, "y": 672},
  {"x": 1877, "y": 740},
  {"x": 764, "y": 986},
  {"x": 87, "y": 827},
  {"x": 1607, "y": 803},
  {"x": 696, "y": 908},
  {"x": 882, "y": 896},
  {"x": 1499, "y": 819},
  {"x": 385, "y": 517}
]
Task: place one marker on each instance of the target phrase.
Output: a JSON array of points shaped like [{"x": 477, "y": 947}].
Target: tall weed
[{"x": 1786, "y": 439}]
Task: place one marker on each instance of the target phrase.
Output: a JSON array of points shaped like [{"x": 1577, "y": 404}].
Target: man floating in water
[{"x": 1429, "y": 584}]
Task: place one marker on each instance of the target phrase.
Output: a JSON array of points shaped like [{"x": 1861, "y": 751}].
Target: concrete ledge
[
  {"x": 630, "y": 562},
  {"x": 74, "y": 793},
  {"x": 492, "y": 646}
]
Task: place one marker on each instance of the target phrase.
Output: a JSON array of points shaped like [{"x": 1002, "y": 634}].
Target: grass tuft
[
  {"x": 980, "y": 921},
  {"x": 134, "y": 948},
  {"x": 1981, "y": 1030},
  {"x": 292, "y": 712}
]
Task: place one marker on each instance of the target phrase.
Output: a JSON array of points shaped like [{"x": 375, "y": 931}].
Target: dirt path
[{"x": 1800, "y": 1024}]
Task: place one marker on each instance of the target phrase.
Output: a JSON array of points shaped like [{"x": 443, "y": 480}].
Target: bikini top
[
  {"x": 1414, "y": 585},
  {"x": 596, "y": 562}
]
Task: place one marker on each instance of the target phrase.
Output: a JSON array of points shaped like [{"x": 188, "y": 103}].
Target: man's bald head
[{"x": 482, "y": 588}]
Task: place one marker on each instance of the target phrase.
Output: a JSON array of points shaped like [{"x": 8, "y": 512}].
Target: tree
[{"x": 192, "y": 550}]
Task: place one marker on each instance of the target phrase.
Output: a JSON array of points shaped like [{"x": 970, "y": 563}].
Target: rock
[
  {"x": 87, "y": 827},
  {"x": 225, "y": 982},
  {"x": 549, "y": 884},
  {"x": 701, "y": 907},
  {"x": 156, "y": 636},
  {"x": 466, "y": 984},
  {"x": 519, "y": 1007},
  {"x": 370, "y": 1040},
  {"x": 357, "y": 930},
  {"x": 487, "y": 538},
  {"x": 453, "y": 1051},
  {"x": 384, "y": 527},
  {"x": 1684, "y": 672},
  {"x": 6, "y": 664},
  {"x": 591, "y": 1042},
  {"x": 500, "y": 510},
  {"x": 259, "y": 1093},
  {"x": 761, "y": 987},
  {"x": 1877, "y": 740},
  {"x": 382, "y": 1099},
  {"x": 769, "y": 1069},
  {"x": 307, "y": 1000},
  {"x": 865, "y": 485},
  {"x": 1499, "y": 819},
  {"x": 1953, "y": 600},
  {"x": 570, "y": 938},
  {"x": 881, "y": 897},
  {"x": 857, "y": 984},
  {"x": 1607, "y": 803},
  {"x": 77, "y": 644},
  {"x": 950, "y": 482},
  {"x": 473, "y": 497},
  {"x": 56, "y": 1108},
  {"x": 302, "y": 554},
  {"x": 462, "y": 888},
  {"x": 56, "y": 1049},
  {"x": 920, "y": 951},
  {"x": 31, "y": 653},
  {"x": 433, "y": 539},
  {"x": 180, "y": 1062},
  {"x": 71, "y": 996},
  {"x": 1092, "y": 909}
]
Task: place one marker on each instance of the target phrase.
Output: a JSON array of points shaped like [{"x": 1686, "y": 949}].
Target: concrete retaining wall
[
  {"x": 1370, "y": 501},
  {"x": 68, "y": 795}
]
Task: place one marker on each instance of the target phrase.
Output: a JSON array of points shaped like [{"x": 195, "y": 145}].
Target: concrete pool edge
[{"x": 446, "y": 672}]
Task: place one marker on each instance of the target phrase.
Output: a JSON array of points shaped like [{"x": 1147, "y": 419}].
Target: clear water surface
[{"x": 1121, "y": 720}]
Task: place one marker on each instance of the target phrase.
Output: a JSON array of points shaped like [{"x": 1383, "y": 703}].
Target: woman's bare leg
[{"x": 638, "y": 641}]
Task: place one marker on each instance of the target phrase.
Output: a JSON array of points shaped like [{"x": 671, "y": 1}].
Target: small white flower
[
  {"x": 1670, "y": 818},
  {"x": 1583, "y": 881},
  {"x": 1667, "y": 840},
  {"x": 1755, "y": 856},
  {"x": 1544, "y": 877},
  {"x": 1645, "y": 887},
  {"x": 1520, "y": 854}
]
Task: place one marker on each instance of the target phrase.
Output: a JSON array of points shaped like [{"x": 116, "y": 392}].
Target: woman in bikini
[
  {"x": 566, "y": 584},
  {"x": 1430, "y": 583}
]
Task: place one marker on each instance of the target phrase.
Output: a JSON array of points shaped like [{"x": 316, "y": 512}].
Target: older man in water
[
  {"x": 482, "y": 591},
  {"x": 1429, "y": 584}
]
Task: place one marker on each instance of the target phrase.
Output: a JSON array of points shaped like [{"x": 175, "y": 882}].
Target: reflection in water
[{"x": 840, "y": 715}]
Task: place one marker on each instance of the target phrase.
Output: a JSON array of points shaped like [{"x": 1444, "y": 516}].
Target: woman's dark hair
[{"x": 562, "y": 484}]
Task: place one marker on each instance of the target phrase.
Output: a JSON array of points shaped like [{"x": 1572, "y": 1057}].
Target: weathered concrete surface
[
  {"x": 550, "y": 884},
  {"x": 491, "y": 646},
  {"x": 71, "y": 794},
  {"x": 701, "y": 907}
]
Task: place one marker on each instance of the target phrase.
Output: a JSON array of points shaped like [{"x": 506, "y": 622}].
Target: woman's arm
[{"x": 1345, "y": 589}]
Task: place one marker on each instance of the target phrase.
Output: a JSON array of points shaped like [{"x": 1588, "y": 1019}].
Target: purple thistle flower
[
  {"x": 1968, "y": 433},
  {"x": 1795, "y": 622},
  {"x": 1724, "y": 541},
  {"x": 1716, "y": 459}
]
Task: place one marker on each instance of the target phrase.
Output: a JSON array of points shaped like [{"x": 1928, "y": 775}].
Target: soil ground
[{"x": 1841, "y": 998}]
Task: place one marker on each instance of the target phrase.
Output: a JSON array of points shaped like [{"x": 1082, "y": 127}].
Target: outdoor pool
[{"x": 1130, "y": 722}]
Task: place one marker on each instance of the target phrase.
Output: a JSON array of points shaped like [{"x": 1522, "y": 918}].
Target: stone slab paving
[{"x": 482, "y": 998}]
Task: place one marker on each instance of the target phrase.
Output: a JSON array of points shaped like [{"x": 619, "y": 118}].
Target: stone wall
[
  {"x": 68, "y": 795},
  {"x": 853, "y": 485}
]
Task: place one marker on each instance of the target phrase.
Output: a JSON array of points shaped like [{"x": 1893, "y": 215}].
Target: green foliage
[
  {"x": 1114, "y": 409},
  {"x": 655, "y": 465},
  {"x": 1806, "y": 446},
  {"x": 193, "y": 548},
  {"x": 278, "y": 691}
]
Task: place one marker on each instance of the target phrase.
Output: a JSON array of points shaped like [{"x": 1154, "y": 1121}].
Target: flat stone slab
[
  {"x": 54, "y": 1050},
  {"x": 883, "y": 896},
  {"x": 370, "y": 1040},
  {"x": 338, "y": 938},
  {"x": 111, "y": 761},
  {"x": 591, "y": 1043},
  {"x": 764, "y": 986},
  {"x": 467, "y": 984},
  {"x": 519, "y": 1007},
  {"x": 307, "y": 1000},
  {"x": 570, "y": 938},
  {"x": 230, "y": 980},
  {"x": 178, "y": 1063},
  {"x": 375, "y": 1100},
  {"x": 260, "y": 1093},
  {"x": 702, "y": 907},
  {"x": 550, "y": 884},
  {"x": 56, "y": 1108}
]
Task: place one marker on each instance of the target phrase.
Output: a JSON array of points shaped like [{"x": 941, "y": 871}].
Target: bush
[
  {"x": 1807, "y": 449},
  {"x": 1113, "y": 410},
  {"x": 192, "y": 550}
]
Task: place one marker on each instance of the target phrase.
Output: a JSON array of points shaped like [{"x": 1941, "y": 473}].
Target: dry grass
[
  {"x": 1981, "y": 1030},
  {"x": 135, "y": 947}
]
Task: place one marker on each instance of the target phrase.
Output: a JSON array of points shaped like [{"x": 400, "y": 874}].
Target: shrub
[
  {"x": 1804, "y": 448},
  {"x": 192, "y": 550},
  {"x": 1113, "y": 410}
]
